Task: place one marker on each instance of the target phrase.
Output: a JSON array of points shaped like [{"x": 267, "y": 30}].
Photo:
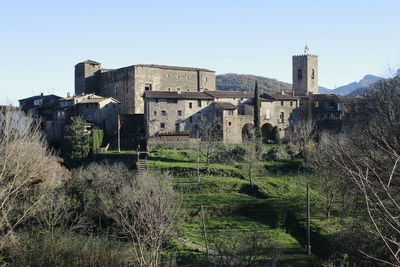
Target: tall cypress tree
[{"x": 257, "y": 107}]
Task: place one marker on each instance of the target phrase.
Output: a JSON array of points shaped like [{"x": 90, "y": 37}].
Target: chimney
[{"x": 68, "y": 94}]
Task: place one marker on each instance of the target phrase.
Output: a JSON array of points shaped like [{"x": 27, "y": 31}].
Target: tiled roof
[
  {"x": 226, "y": 105},
  {"x": 172, "y": 67},
  {"x": 178, "y": 95},
  {"x": 92, "y": 96},
  {"x": 322, "y": 97},
  {"x": 272, "y": 96},
  {"x": 230, "y": 94},
  {"x": 97, "y": 100}
]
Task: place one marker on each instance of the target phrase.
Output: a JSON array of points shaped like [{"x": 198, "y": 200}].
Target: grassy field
[{"x": 274, "y": 206}]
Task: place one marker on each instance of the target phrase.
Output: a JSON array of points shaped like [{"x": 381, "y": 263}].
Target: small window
[
  {"x": 206, "y": 79},
  {"x": 155, "y": 113},
  {"x": 190, "y": 105},
  {"x": 190, "y": 119},
  {"x": 291, "y": 103},
  {"x": 282, "y": 103},
  {"x": 280, "y": 129},
  {"x": 147, "y": 86},
  {"x": 230, "y": 112},
  {"x": 301, "y": 102},
  {"x": 156, "y": 100},
  {"x": 169, "y": 89},
  {"x": 179, "y": 76},
  {"x": 178, "y": 89},
  {"x": 196, "y": 127},
  {"x": 179, "y": 112},
  {"x": 282, "y": 117},
  {"x": 177, "y": 127},
  {"x": 299, "y": 74},
  {"x": 312, "y": 74},
  {"x": 162, "y": 125},
  {"x": 199, "y": 103},
  {"x": 163, "y": 113},
  {"x": 229, "y": 123}
]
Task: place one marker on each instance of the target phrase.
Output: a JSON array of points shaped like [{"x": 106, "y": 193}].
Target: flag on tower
[{"x": 306, "y": 49}]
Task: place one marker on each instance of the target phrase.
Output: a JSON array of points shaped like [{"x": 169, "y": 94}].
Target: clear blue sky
[{"x": 41, "y": 41}]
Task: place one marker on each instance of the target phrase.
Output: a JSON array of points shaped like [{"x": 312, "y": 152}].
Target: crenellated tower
[{"x": 305, "y": 74}]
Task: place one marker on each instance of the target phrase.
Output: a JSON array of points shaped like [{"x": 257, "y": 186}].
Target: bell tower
[{"x": 305, "y": 75}]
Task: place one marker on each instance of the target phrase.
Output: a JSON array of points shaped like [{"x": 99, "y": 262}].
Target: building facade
[{"x": 128, "y": 84}]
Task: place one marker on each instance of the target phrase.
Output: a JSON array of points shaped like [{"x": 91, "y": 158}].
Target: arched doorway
[
  {"x": 266, "y": 132},
  {"x": 247, "y": 132}
]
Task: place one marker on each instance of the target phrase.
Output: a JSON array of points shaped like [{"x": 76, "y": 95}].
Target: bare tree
[
  {"x": 144, "y": 208},
  {"x": 303, "y": 132},
  {"x": 27, "y": 170},
  {"x": 238, "y": 248},
  {"x": 370, "y": 157},
  {"x": 253, "y": 151},
  {"x": 210, "y": 134}
]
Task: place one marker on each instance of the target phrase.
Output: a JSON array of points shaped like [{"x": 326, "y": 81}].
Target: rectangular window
[
  {"x": 190, "y": 119},
  {"x": 282, "y": 103},
  {"x": 230, "y": 112},
  {"x": 164, "y": 113},
  {"x": 179, "y": 112},
  {"x": 291, "y": 103},
  {"x": 162, "y": 125},
  {"x": 299, "y": 74},
  {"x": 229, "y": 123},
  {"x": 282, "y": 117},
  {"x": 147, "y": 86},
  {"x": 155, "y": 113},
  {"x": 190, "y": 105},
  {"x": 199, "y": 103},
  {"x": 177, "y": 127},
  {"x": 267, "y": 114}
]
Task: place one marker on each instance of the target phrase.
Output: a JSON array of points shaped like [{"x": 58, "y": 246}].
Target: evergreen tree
[
  {"x": 257, "y": 107},
  {"x": 77, "y": 141}
]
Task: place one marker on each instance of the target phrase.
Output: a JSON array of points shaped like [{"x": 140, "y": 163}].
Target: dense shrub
[{"x": 228, "y": 154}]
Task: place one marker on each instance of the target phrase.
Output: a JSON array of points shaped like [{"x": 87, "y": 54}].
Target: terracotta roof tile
[
  {"x": 226, "y": 105},
  {"x": 178, "y": 95}
]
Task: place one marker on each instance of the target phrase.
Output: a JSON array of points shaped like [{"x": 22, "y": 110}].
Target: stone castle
[{"x": 172, "y": 103}]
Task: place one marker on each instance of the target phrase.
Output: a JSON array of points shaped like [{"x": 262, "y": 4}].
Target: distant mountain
[
  {"x": 245, "y": 82},
  {"x": 364, "y": 83}
]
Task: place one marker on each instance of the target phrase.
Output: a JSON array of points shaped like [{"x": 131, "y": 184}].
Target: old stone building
[
  {"x": 183, "y": 113},
  {"x": 128, "y": 84}
]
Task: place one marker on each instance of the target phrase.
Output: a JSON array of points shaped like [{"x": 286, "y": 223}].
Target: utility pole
[
  {"x": 308, "y": 250},
  {"x": 198, "y": 157},
  {"x": 205, "y": 234}
]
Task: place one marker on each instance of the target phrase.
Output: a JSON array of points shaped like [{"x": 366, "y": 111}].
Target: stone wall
[{"x": 186, "y": 113}]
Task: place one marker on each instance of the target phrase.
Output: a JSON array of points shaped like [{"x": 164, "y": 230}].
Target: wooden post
[
  {"x": 308, "y": 250},
  {"x": 198, "y": 157},
  {"x": 205, "y": 234}
]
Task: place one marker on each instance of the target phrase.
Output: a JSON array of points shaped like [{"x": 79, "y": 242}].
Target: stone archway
[
  {"x": 247, "y": 132},
  {"x": 266, "y": 132}
]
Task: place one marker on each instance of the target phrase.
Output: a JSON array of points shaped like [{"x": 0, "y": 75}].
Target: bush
[
  {"x": 277, "y": 153},
  {"x": 229, "y": 155}
]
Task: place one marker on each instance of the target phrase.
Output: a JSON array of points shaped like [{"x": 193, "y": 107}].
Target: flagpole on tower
[{"x": 306, "y": 49}]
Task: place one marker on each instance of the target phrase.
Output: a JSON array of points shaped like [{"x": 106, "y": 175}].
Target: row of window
[
  {"x": 300, "y": 74},
  {"x": 174, "y": 101},
  {"x": 164, "y": 113}
]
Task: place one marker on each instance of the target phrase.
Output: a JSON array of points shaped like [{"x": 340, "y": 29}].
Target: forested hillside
[{"x": 245, "y": 82}]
